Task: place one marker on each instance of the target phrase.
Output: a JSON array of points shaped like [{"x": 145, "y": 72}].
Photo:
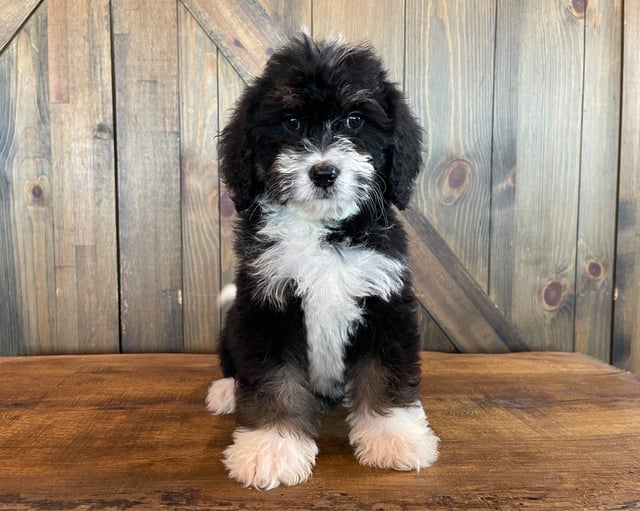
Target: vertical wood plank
[
  {"x": 10, "y": 305},
  {"x": 346, "y": 17},
  {"x": 145, "y": 52},
  {"x": 84, "y": 176},
  {"x": 537, "y": 164},
  {"x": 504, "y": 155},
  {"x": 449, "y": 82},
  {"x": 448, "y": 66},
  {"x": 26, "y": 195},
  {"x": 626, "y": 335},
  {"x": 598, "y": 178},
  {"x": 198, "y": 155}
]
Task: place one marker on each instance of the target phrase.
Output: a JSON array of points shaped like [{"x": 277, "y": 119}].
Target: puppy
[{"x": 319, "y": 149}]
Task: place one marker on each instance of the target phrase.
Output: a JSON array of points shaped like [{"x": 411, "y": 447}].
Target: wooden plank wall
[
  {"x": 626, "y": 338},
  {"x": 59, "y": 257},
  {"x": 115, "y": 231}
]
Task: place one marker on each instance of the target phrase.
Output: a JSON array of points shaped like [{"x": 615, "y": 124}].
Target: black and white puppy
[{"x": 319, "y": 149}]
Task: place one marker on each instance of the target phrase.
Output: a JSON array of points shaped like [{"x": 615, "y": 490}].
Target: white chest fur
[{"x": 330, "y": 280}]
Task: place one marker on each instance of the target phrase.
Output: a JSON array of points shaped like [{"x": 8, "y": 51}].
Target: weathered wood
[
  {"x": 598, "y": 178},
  {"x": 449, "y": 70},
  {"x": 504, "y": 157},
  {"x": 200, "y": 187},
  {"x": 538, "y": 168},
  {"x": 531, "y": 430},
  {"x": 432, "y": 336},
  {"x": 333, "y": 17},
  {"x": 626, "y": 335},
  {"x": 10, "y": 286},
  {"x": 14, "y": 14},
  {"x": 290, "y": 17},
  {"x": 27, "y": 195},
  {"x": 454, "y": 298},
  {"x": 83, "y": 167},
  {"x": 146, "y": 102},
  {"x": 243, "y": 31},
  {"x": 550, "y": 216}
]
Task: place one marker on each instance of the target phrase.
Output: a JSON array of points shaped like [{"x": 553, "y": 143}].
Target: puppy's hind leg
[{"x": 221, "y": 397}]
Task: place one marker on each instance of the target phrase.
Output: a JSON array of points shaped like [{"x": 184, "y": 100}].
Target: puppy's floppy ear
[
  {"x": 237, "y": 163},
  {"x": 405, "y": 152}
]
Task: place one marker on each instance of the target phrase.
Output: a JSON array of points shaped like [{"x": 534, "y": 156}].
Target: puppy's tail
[{"x": 227, "y": 296}]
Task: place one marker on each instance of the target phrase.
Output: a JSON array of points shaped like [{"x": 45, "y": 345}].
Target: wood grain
[
  {"x": 27, "y": 195},
  {"x": 14, "y": 14},
  {"x": 519, "y": 431},
  {"x": 10, "y": 307},
  {"x": 449, "y": 72},
  {"x": 532, "y": 221},
  {"x": 456, "y": 301},
  {"x": 598, "y": 178},
  {"x": 290, "y": 17},
  {"x": 345, "y": 17},
  {"x": 533, "y": 254},
  {"x": 200, "y": 188},
  {"x": 146, "y": 102},
  {"x": 243, "y": 31},
  {"x": 504, "y": 157},
  {"x": 626, "y": 334},
  {"x": 83, "y": 166}
]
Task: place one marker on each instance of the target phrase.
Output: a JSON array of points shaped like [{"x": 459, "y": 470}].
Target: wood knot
[
  {"x": 594, "y": 269},
  {"x": 103, "y": 132},
  {"x": 227, "y": 208},
  {"x": 554, "y": 294},
  {"x": 579, "y": 7},
  {"x": 37, "y": 191},
  {"x": 454, "y": 180}
]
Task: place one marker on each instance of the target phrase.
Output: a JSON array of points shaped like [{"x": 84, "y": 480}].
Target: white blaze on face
[{"x": 353, "y": 186}]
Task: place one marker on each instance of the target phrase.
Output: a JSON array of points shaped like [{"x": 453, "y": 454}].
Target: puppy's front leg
[
  {"x": 274, "y": 442},
  {"x": 389, "y": 428}
]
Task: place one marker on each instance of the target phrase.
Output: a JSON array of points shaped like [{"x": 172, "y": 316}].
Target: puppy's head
[{"x": 322, "y": 130}]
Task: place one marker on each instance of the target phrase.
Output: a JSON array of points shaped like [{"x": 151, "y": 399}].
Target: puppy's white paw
[
  {"x": 266, "y": 458},
  {"x": 400, "y": 440},
  {"x": 221, "y": 397}
]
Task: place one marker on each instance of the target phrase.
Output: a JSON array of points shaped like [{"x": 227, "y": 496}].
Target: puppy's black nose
[{"x": 324, "y": 174}]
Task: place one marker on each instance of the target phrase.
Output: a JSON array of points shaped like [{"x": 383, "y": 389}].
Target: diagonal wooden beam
[
  {"x": 13, "y": 14},
  {"x": 453, "y": 297},
  {"x": 246, "y": 34},
  {"x": 243, "y": 31}
]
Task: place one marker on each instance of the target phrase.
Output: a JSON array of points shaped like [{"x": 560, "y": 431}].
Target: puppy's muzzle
[{"x": 324, "y": 174}]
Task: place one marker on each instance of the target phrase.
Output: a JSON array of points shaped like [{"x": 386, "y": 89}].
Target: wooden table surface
[{"x": 519, "y": 431}]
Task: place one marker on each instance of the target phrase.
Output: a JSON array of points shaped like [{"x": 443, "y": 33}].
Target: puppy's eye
[
  {"x": 292, "y": 123},
  {"x": 353, "y": 122}
]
